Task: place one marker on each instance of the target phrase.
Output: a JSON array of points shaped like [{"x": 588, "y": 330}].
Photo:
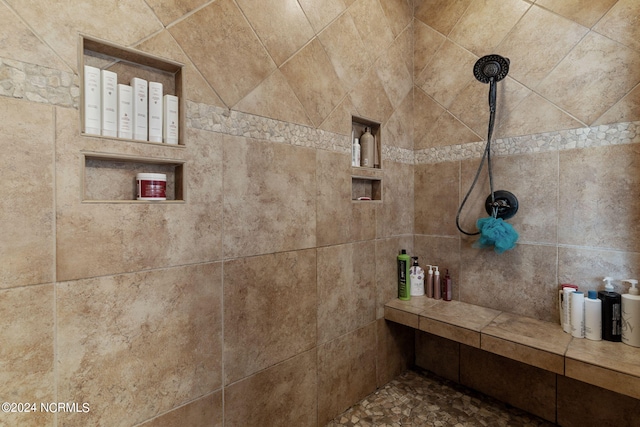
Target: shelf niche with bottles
[
  {"x": 118, "y": 168},
  {"x": 366, "y": 177}
]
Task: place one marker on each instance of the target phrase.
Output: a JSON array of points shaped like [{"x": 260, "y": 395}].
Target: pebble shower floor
[{"x": 416, "y": 399}]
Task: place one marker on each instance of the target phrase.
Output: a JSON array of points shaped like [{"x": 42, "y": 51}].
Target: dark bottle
[
  {"x": 611, "y": 313},
  {"x": 446, "y": 287}
]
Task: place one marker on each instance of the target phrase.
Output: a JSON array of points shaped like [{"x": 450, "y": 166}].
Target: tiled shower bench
[{"x": 609, "y": 365}]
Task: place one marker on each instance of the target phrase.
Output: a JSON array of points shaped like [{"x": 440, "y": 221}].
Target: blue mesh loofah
[{"x": 497, "y": 233}]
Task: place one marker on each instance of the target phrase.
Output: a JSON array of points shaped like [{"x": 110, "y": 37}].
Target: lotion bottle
[
  {"x": 611, "y": 312},
  {"x": 403, "y": 276},
  {"x": 355, "y": 152},
  {"x": 417, "y": 278},
  {"x": 437, "y": 290},
  {"x": 631, "y": 315},
  {"x": 430, "y": 282},
  {"x": 593, "y": 317},
  {"x": 577, "y": 314}
]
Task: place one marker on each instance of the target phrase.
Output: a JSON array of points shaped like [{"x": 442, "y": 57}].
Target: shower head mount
[{"x": 491, "y": 68}]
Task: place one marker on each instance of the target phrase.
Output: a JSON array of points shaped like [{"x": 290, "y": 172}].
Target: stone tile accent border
[
  {"x": 50, "y": 86},
  {"x": 39, "y": 84},
  {"x": 594, "y": 136}
]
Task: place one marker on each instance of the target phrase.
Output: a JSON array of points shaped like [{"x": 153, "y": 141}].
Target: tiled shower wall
[
  {"x": 566, "y": 144},
  {"x": 259, "y": 300}
]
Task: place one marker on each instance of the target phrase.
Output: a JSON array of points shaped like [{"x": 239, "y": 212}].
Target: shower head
[{"x": 491, "y": 67}]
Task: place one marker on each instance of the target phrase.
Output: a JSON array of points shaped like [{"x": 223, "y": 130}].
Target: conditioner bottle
[
  {"x": 593, "y": 317},
  {"x": 429, "y": 285},
  {"x": 437, "y": 290},
  {"x": 611, "y": 312},
  {"x": 631, "y": 315}
]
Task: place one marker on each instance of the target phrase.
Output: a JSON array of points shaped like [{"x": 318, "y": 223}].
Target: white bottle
[
  {"x": 109, "y": 103},
  {"x": 170, "y": 129},
  {"x": 155, "y": 111},
  {"x": 566, "y": 321},
  {"x": 593, "y": 317},
  {"x": 631, "y": 315},
  {"x": 577, "y": 314},
  {"x": 92, "y": 122},
  {"x": 355, "y": 152},
  {"x": 416, "y": 275},
  {"x": 124, "y": 112},
  {"x": 140, "y": 108}
]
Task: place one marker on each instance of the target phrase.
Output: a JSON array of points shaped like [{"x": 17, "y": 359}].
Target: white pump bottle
[{"x": 631, "y": 315}]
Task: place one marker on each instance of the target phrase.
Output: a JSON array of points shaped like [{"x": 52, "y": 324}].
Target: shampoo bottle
[
  {"x": 417, "y": 278},
  {"x": 437, "y": 290},
  {"x": 367, "y": 146},
  {"x": 565, "y": 306},
  {"x": 429, "y": 285},
  {"x": 593, "y": 317},
  {"x": 577, "y": 314},
  {"x": 631, "y": 315},
  {"x": 446, "y": 288},
  {"x": 403, "y": 276},
  {"x": 611, "y": 312}
]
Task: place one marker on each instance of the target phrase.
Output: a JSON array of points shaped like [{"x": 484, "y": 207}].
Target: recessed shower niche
[{"x": 366, "y": 174}]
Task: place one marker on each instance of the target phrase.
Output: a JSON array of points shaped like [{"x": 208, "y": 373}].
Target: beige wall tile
[
  {"x": 270, "y": 197},
  {"x": 426, "y": 42},
  {"x": 282, "y": 26},
  {"x": 485, "y": 23},
  {"x": 592, "y": 77},
  {"x": 396, "y": 77},
  {"x": 534, "y": 57},
  {"x": 447, "y": 73},
  {"x": 426, "y": 112},
  {"x": 396, "y": 217},
  {"x": 441, "y": 15},
  {"x": 21, "y": 44},
  {"x": 399, "y": 14},
  {"x": 372, "y": 25},
  {"x": 370, "y": 98},
  {"x": 621, "y": 24},
  {"x": 346, "y": 288},
  {"x": 314, "y": 81},
  {"x": 274, "y": 98},
  {"x": 520, "y": 281},
  {"x": 285, "y": 394},
  {"x": 398, "y": 130},
  {"x": 269, "y": 310},
  {"x": 181, "y": 233},
  {"x": 320, "y": 14},
  {"x": 204, "y": 412},
  {"x": 240, "y": 62},
  {"x": 169, "y": 11},
  {"x": 599, "y": 190},
  {"x": 26, "y": 354},
  {"x": 350, "y": 356},
  {"x": 334, "y": 217},
  {"x": 346, "y": 50},
  {"x": 436, "y": 202},
  {"x": 625, "y": 110},
  {"x": 576, "y": 10},
  {"x": 26, "y": 209},
  {"x": 155, "y": 336},
  {"x": 443, "y": 252},
  {"x": 58, "y": 24},
  {"x": 195, "y": 88},
  {"x": 448, "y": 130}
]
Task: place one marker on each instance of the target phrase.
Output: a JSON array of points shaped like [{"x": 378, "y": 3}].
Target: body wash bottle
[
  {"x": 446, "y": 288},
  {"x": 403, "y": 276},
  {"x": 429, "y": 285},
  {"x": 437, "y": 290},
  {"x": 611, "y": 312},
  {"x": 631, "y": 315},
  {"x": 417, "y": 278}
]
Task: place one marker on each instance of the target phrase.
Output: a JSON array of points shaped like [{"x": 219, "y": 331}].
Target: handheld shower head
[{"x": 491, "y": 67}]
